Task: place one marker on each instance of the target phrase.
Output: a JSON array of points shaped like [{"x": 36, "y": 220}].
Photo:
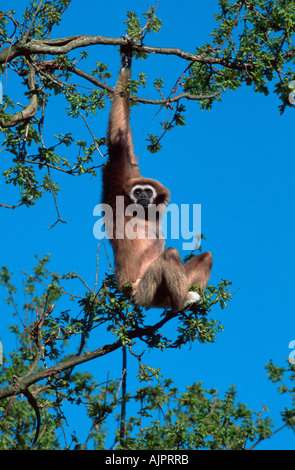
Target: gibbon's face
[{"x": 143, "y": 194}]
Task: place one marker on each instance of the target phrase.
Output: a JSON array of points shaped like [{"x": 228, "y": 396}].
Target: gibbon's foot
[
  {"x": 191, "y": 298},
  {"x": 135, "y": 284}
]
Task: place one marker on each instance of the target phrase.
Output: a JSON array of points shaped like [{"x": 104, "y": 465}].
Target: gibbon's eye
[
  {"x": 137, "y": 192},
  {"x": 149, "y": 192}
]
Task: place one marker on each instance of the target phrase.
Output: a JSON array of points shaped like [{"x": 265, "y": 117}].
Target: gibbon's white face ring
[{"x": 143, "y": 187}]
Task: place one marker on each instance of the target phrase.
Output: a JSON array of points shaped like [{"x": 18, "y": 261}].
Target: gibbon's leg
[
  {"x": 198, "y": 269},
  {"x": 164, "y": 283},
  {"x": 198, "y": 272}
]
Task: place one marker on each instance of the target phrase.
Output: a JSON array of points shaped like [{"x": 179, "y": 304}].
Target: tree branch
[
  {"x": 27, "y": 35},
  {"x": 134, "y": 98},
  {"x": 33, "y": 403},
  {"x": 55, "y": 46},
  {"x": 32, "y": 107},
  {"x": 64, "y": 45},
  {"x": 123, "y": 404},
  {"x": 21, "y": 384}
]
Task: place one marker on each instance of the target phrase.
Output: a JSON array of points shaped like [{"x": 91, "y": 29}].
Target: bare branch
[
  {"x": 55, "y": 46},
  {"x": 14, "y": 206},
  {"x": 64, "y": 45}
]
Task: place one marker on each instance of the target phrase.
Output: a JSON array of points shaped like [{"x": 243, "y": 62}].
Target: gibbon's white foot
[{"x": 191, "y": 298}]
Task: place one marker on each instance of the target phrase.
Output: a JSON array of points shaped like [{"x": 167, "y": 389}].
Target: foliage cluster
[
  {"x": 165, "y": 418},
  {"x": 251, "y": 45}
]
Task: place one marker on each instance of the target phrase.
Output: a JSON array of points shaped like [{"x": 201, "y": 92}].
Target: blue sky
[{"x": 236, "y": 160}]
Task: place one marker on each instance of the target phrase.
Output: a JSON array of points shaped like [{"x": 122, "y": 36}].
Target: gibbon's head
[
  {"x": 145, "y": 191},
  {"x": 143, "y": 194}
]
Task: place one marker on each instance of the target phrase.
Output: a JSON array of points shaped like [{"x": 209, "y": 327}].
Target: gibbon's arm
[{"x": 119, "y": 135}]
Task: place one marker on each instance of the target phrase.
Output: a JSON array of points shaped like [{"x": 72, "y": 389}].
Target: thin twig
[
  {"x": 138, "y": 356},
  {"x": 59, "y": 219},
  {"x": 27, "y": 35},
  {"x": 268, "y": 437},
  {"x": 124, "y": 389},
  {"x": 74, "y": 274},
  {"x": 96, "y": 271},
  {"x": 92, "y": 135},
  {"x": 14, "y": 206}
]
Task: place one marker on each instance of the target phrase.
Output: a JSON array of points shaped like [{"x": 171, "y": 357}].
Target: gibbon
[{"x": 157, "y": 277}]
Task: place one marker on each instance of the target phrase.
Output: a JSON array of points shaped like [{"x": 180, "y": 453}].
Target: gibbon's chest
[
  {"x": 137, "y": 228},
  {"x": 145, "y": 239},
  {"x": 138, "y": 249},
  {"x": 148, "y": 251}
]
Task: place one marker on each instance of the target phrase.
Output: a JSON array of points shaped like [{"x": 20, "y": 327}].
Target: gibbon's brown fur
[{"x": 158, "y": 276}]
